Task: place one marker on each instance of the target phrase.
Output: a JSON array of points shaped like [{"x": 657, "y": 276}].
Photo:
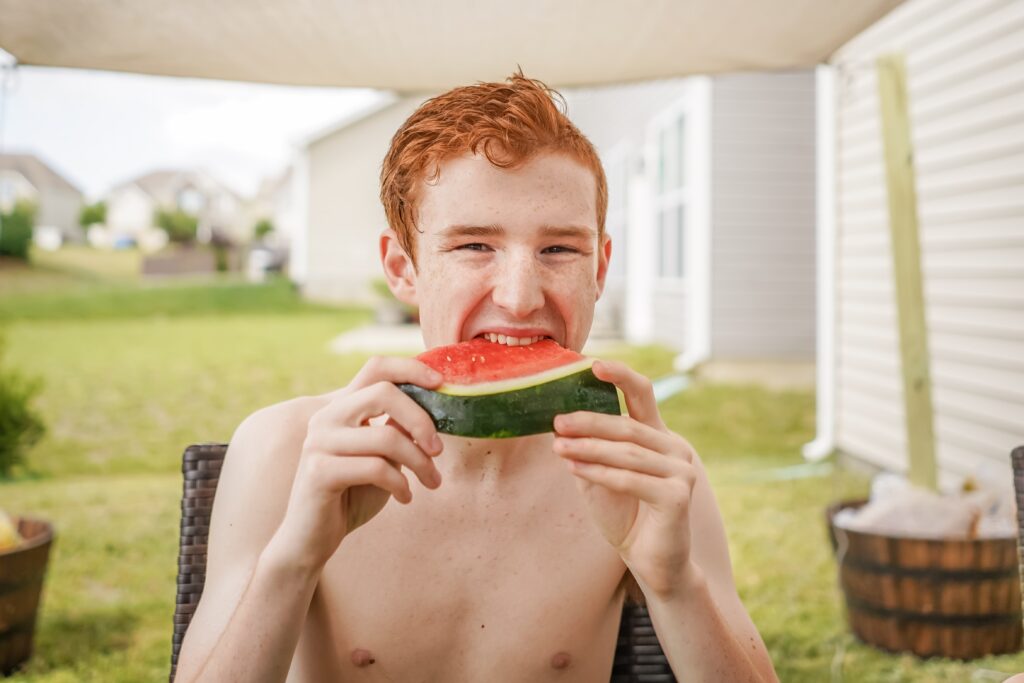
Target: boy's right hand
[{"x": 349, "y": 468}]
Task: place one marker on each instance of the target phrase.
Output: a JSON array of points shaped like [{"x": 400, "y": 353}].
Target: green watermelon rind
[{"x": 519, "y": 412}]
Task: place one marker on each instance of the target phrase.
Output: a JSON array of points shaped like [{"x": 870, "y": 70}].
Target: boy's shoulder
[{"x": 288, "y": 418}]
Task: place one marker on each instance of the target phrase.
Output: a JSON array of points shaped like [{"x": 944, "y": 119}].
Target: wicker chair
[
  {"x": 638, "y": 655},
  {"x": 1017, "y": 459}
]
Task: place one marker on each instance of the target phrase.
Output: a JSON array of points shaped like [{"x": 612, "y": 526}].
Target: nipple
[
  {"x": 561, "y": 660},
  {"x": 361, "y": 657}
]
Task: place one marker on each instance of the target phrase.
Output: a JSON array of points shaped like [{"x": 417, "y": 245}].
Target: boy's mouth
[{"x": 509, "y": 340}]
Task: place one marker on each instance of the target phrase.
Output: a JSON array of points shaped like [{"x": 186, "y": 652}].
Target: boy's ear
[
  {"x": 604, "y": 256},
  {"x": 398, "y": 268}
]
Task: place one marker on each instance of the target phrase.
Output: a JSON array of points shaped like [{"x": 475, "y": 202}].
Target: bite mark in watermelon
[{"x": 496, "y": 391}]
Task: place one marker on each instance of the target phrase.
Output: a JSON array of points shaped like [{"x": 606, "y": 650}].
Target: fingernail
[
  {"x": 438, "y": 444},
  {"x": 437, "y": 478}
]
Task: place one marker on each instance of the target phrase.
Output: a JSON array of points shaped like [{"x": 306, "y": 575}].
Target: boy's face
[{"x": 504, "y": 251}]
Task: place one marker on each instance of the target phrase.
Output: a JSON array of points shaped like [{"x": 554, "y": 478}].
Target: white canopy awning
[{"x": 423, "y": 45}]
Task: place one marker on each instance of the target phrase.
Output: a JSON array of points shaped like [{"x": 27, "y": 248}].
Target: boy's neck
[{"x": 493, "y": 461}]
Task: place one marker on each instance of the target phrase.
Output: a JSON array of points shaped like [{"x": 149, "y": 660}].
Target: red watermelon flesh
[{"x": 480, "y": 366}]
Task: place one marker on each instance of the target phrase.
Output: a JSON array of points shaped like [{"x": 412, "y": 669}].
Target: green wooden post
[{"x": 906, "y": 252}]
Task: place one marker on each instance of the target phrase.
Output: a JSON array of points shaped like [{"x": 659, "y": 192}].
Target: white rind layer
[{"x": 506, "y": 385}]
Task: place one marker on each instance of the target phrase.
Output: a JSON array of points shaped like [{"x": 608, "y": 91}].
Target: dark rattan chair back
[
  {"x": 638, "y": 654},
  {"x": 1017, "y": 458}
]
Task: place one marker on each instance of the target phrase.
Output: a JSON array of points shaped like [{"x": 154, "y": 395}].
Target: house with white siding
[
  {"x": 26, "y": 177},
  {"x": 965, "y": 81},
  {"x": 334, "y": 249},
  {"x": 711, "y": 210},
  {"x": 132, "y": 205}
]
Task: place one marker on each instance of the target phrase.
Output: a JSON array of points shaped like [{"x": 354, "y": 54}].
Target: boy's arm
[
  {"x": 706, "y": 632},
  {"x": 297, "y": 478},
  {"x": 648, "y": 492},
  {"x": 255, "y": 598}
]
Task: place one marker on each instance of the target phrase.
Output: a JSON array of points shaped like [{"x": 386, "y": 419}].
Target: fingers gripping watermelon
[{"x": 495, "y": 391}]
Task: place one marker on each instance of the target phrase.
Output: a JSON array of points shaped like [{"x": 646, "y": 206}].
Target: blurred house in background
[
  {"x": 131, "y": 206},
  {"x": 275, "y": 201},
  {"x": 711, "y": 212},
  {"x": 26, "y": 177},
  {"x": 334, "y": 253},
  {"x": 965, "y": 66}
]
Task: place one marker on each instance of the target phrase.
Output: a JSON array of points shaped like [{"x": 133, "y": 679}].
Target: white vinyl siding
[
  {"x": 965, "y": 63},
  {"x": 763, "y": 241},
  {"x": 345, "y": 215},
  {"x": 617, "y": 172},
  {"x": 609, "y": 314}
]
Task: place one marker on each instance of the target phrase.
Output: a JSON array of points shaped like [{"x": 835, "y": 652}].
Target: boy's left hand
[{"x": 637, "y": 478}]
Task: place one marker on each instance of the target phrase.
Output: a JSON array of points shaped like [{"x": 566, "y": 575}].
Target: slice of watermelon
[{"x": 495, "y": 391}]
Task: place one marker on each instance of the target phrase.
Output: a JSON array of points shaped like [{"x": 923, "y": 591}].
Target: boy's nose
[{"x": 519, "y": 288}]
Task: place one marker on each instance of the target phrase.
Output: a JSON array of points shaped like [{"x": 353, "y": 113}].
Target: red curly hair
[{"x": 509, "y": 123}]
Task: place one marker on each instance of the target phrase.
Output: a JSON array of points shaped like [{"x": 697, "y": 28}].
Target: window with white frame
[{"x": 670, "y": 196}]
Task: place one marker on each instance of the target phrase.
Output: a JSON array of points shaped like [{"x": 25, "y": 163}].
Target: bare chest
[{"x": 468, "y": 594}]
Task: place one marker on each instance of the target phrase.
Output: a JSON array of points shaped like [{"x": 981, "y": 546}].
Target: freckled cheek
[
  {"x": 578, "y": 282},
  {"x": 449, "y": 292},
  {"x": 572, "y": 293}
]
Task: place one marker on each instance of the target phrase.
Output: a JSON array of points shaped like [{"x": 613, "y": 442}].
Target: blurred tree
[
  {"x": 92, "y": 214},
  {"x": 179, "y": 225},
  {"x": 262, "y": 228},
  {"x": 16, "y": 229}
]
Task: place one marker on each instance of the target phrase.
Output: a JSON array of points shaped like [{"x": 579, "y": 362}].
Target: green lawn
[
  {"x": 119, "y": 265},
  {"x": 134, "y": 374}
]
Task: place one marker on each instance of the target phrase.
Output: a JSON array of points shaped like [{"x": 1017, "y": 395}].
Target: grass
[
  {"x": 124, "y": 393},
  {"x": 54, "y": 290},
  {"x": 123, "y": 265}
]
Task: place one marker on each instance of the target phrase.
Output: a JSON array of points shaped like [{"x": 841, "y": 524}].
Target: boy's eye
[
  {"x": 559, "y": 249},
  {"x": 473, "y": 246}
]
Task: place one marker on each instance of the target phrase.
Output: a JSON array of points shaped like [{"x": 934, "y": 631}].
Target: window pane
[
  {"x": 668, "y": 243},
  {"x": 680, "y": 151}
]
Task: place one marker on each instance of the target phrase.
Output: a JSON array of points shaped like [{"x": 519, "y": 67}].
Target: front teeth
[{"x": 512, "y": 341}]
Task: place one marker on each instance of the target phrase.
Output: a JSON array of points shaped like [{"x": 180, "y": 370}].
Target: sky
[{"x": 99, "y": 129}]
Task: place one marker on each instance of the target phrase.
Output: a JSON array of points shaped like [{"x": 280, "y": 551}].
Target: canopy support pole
[{"x": 906, "y": 252}]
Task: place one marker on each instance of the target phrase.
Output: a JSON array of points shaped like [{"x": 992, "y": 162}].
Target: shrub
[
  {"x": 179, "y": 225},
  {"x": 220, "y": 255},
  {"x": 20, "y": 426},
  {"x": 92, "y": 214},
  {"x": 16, "y": 230},
  {"x": 262, "y": 228}
]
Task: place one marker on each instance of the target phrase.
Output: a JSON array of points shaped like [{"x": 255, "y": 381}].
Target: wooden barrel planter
[
  {"x": 934, "y": 598},
  {"x": 22, "y": 570}
]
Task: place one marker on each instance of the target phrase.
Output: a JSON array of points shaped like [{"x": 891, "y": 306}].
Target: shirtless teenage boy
[{"x": 497, "y": 560}]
